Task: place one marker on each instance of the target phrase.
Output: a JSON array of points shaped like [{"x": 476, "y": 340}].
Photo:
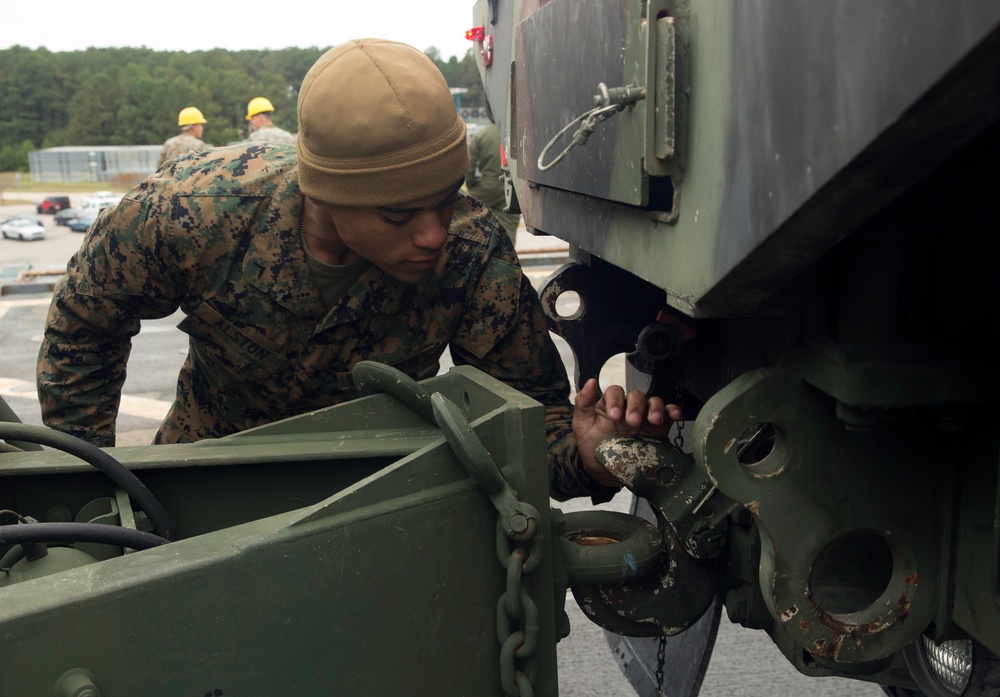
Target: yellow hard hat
[
  {"x": 189, "y": 116},
  {"x": 258, "y": 105}
]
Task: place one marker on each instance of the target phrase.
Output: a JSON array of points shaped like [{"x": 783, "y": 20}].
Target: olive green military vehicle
[{"x": 784, "y": 214}]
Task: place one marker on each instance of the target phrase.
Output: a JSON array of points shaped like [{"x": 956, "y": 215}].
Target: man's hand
[{"x": 598, "y": 416}]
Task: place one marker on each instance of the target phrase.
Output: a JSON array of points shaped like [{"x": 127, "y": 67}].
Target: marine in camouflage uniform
[
  {"x": 271, "y": 134},
  {"x": 483, "y": 179},
  {"x": 179, "y": 145},
  {"x": 217, "y": 234},
  {"x": 293, "y": 264}
]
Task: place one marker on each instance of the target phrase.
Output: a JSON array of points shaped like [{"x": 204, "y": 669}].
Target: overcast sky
[{"x": 72, "y": 25}]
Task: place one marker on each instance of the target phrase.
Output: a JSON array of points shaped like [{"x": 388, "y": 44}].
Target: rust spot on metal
[
  {"x": 858, "y": 633},
  {"x": 593, "y": 538},
  {"x": 913, "y": 578},
  {"x": 902, "y": 608},
  {"x": 789, "y": 613},
  {"x": 729, "y": 445},
  {"x": 803, "y": 625},
  {"x": 824, "y": 649}
]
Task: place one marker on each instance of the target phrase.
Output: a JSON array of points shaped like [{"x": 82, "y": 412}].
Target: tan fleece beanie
[{"x": 378, "y": 127}]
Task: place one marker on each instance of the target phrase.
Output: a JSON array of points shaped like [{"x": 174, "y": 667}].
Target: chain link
[
  {"x": 661, "y": 657},
  {"x": 518, "y": 538},
  {"x": 518, "y": 546},
  {"x": 517, "y": 614}
]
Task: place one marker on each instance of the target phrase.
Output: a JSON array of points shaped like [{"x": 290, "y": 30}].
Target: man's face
[{"x": 406, "y": 240}]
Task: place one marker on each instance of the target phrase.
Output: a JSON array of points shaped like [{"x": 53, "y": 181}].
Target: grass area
[
  {"x": 11, "y": 186},
  {"x": 8, "y": 180}
]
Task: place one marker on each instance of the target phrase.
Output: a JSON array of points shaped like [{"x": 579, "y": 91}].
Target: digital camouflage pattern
[
  {"x": 179, "y": 145},
  {"x": 271, "y": 134},
  {"x": 217, "y": 234}
]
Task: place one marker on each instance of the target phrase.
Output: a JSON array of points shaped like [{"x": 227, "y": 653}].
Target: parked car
[
  {"x": 65, "y": 215},
  {"x": 83, "y": 221},
  {"x": 22, "y": 229},
  {"x": 101, "y": 199},
  {"x": 30, "y": 218},
  {"x": 53, "y": 204}
]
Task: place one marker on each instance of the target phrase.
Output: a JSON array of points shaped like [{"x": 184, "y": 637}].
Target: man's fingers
[
  {"x": 614, "y": 402},
  {"x": 637, "y": 408},
  {"x": 588, "y": 396}
]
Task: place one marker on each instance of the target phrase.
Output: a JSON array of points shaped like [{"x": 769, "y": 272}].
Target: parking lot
[{"x": 50, "y": 253}]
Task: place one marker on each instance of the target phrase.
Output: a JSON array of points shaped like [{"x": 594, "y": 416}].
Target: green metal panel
[{"x": 789, "y": 122}]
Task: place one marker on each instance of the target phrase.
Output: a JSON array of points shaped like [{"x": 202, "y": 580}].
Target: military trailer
[{"x": 782, "y": 213}]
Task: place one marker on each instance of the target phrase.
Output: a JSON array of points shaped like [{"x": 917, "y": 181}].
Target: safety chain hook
[
  {"x": 518, "y": 539},
  {"x": 607, "y": 103},
  {"x": 519, "y": 551}
]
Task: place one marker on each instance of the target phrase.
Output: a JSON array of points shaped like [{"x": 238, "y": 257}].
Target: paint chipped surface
[
  {"x": 789, "y": 613},
  {"x": 630, "y": 566},
  {"x": 628, "y": 458}
]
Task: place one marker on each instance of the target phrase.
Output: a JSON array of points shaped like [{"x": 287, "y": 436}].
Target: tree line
[{"x": 131, "y": 96}]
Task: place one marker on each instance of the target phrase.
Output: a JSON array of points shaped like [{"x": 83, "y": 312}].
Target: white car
[
  {"x": 101, "y": 200},
  {"x": 22, "y": 229}
]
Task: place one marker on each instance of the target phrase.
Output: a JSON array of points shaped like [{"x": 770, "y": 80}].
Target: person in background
[
  {"x": 259, "y": 114},
  {"x": 355, "y": 244},
  {"x": 192, "y": 123},
  {"x": 484, "y": 178}
]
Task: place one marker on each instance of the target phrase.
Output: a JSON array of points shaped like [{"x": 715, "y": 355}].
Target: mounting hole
[
  {"x": 569, "y": 305},
  {"x": 466, "y": 401},
  {"x": 851, "y": 573},
  {"x": 762, "y": 449}
]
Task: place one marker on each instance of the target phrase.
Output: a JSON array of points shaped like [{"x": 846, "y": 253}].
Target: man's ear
[{"x": 317, "y": 209}]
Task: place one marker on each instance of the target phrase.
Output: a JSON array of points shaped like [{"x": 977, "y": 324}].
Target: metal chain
[
  {"x": 518, "y": 547},
  {"x": 518, "y": 537},
  {"x": 517, "y": 616},
  {"x": 661, "y": 656}
]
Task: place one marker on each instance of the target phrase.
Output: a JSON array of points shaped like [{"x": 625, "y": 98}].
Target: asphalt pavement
[{"x": 745, "y": 662}]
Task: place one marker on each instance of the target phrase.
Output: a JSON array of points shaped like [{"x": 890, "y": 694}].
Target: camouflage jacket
[
  {"x": 217, "y": 235},
  {"x": 483, "y": 179},
  {"x": 179, "y": 145},
  {"x": 271, "y": 134}
]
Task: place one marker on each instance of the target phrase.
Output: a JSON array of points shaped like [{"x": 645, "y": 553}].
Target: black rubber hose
[
  {"x": 55, "y": 533},
  {"x": 96, "y": 457}
]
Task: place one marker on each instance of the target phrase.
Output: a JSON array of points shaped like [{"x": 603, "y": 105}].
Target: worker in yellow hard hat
[
  {"x": 192, "y": 123},
  {"x": 259, "y": 113}
]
